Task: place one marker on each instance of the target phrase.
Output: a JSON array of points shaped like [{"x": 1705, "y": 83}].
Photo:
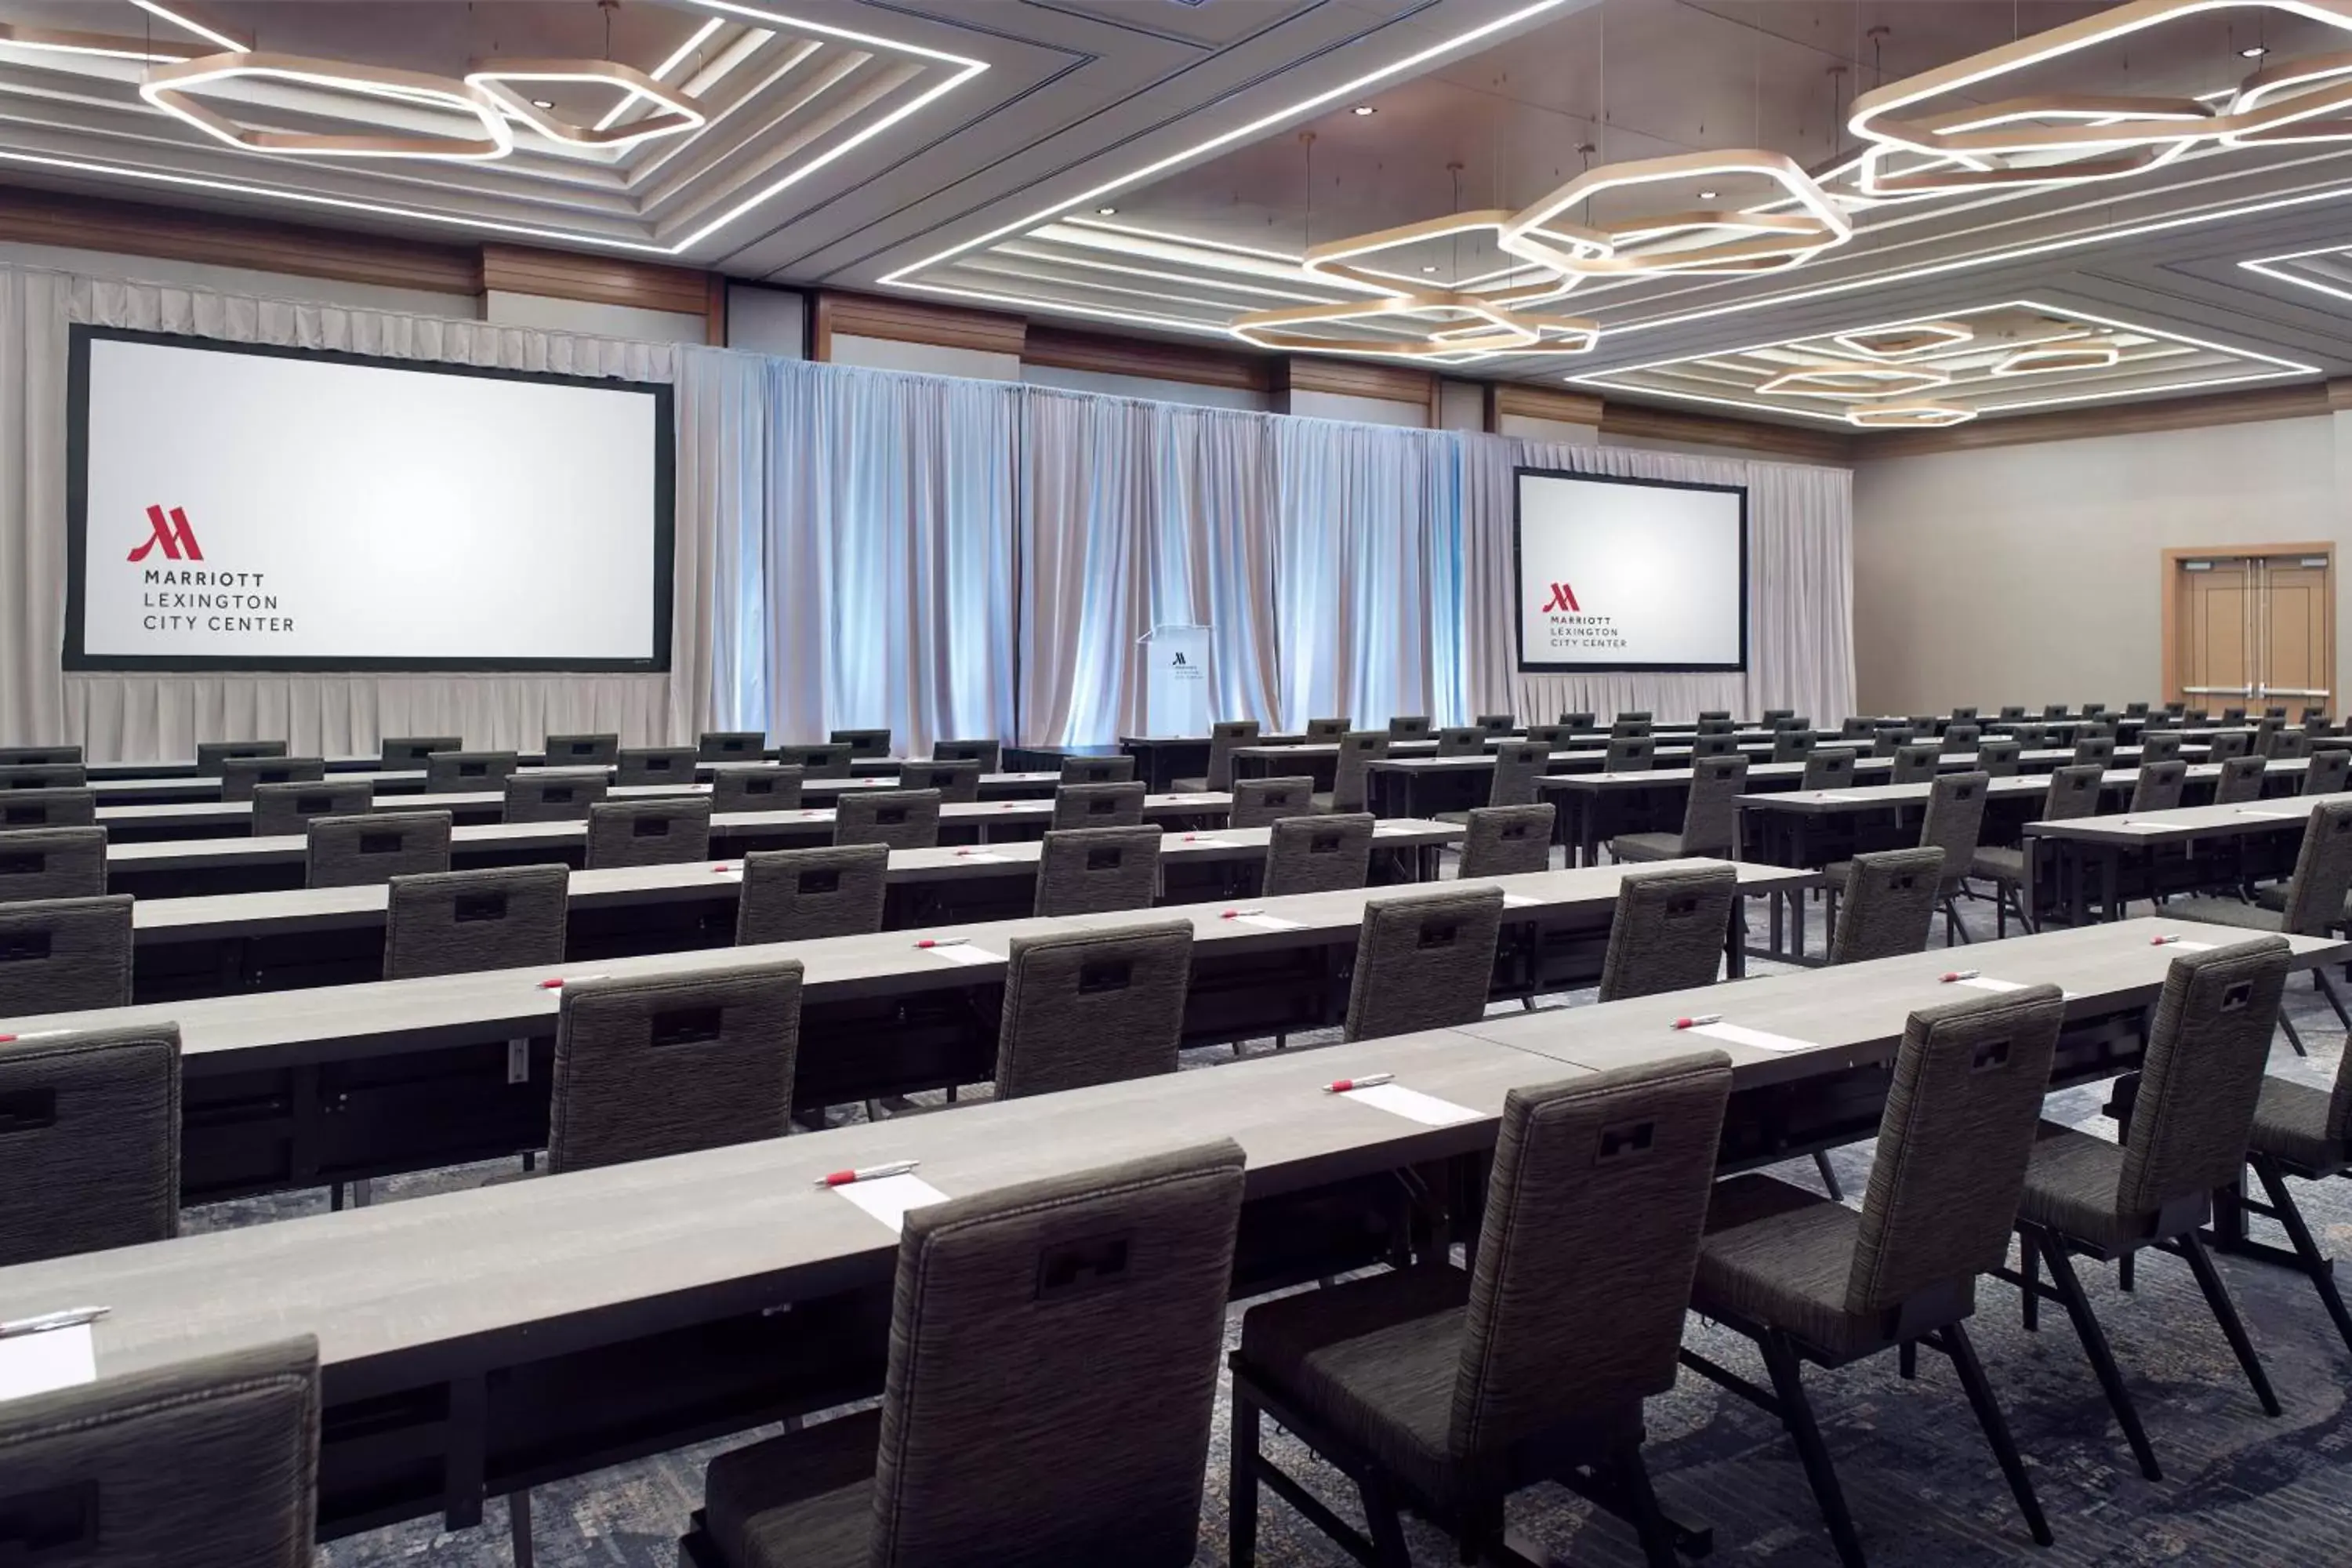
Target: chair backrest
[
  {"x": 1224, "y": 735},
  {"x": 1498, "y": 723},
  {"x": 1857, "y": 727},
  {"x": 240, "y": 775},
  {"x": 407, "y": 753},
  {"x": 1668, "y": 931},
  {"x": 89, "y": 1125},
  {"x": 730, "y": 745},
  {"x": 2012, "y": 711},
  {"x": 43, "y": 775},
  {"x": 1099, "y": 805},
  {"x": 2194, "y": 715},
  {"x": 563, "y": 796},
  {"x": 1629, "y": 755},
  {"x": 1424, "y": 961},
  {"x": 2236, "y": 715},
  {"x": 204, "y": 1463},
  {"x": 358, "y": 851},
  {"x": 1955, "y": 821},
  {"x": 40, "y": 756},
  {"x": 2030, "y": 737},
  {"x": 448, "y": 770},
  {"x": 2286, "y": 744},
  {"x": 862, "y": 742},
  {"x": 1833, "y": 769},
  {"x": 2158, "y": 746},
  {"x": 1964, "y": 715},
  {"x": 2240, "y": 781},
  {"x": 597, "y": 751},
  {"x": 1953, "y": 1144},
  {"x": 2323, "y": 872},
  {"x": 985, "y": 753},
  {"x": 454, "y": 923},
  {"x": 1711, "y": 815},
  {"x": 287, "y": 808},
  {"x": 1716, "y": 746},
  {"x": 65, "y": 955},
  {"x": 1518, "y": 765},
  {"x": 1889, "y": 904},
  {"x": 954, "y": 781},
  {"x": 1106, "y": 1290},
  {"x": 1635, "y": 716},
  {"x": 2328, "y": 771},
  {"x": 1357, "y": 748},
  {"x": 896, "y": 818},
  {"x": 210, "y": 754},
  {"x": 2097, "y": 749},
  {"x": 2092, "y": 710},
  {"x": 1097, "y": 770},
  {"x": 1092, "y": 870},
  {"x": 52, "y": 863},
  {"x": 1624, "y": 729},
  {"x": 2160, "y": 785},
  {"x": 1506, "y": 841},
  {"x": 1327, "y": 728},
  {"x": 1578, "y": 721},
  {"x": 1715, "y": 715},
  {"x": 1084, "y": 1008},
  {"x": 54, "y": 809},
  {"x": 1915, "y": 764},
  {"x": 799, "y": 895},
  {"x": 1772, "y": 716},
  {"x": 1793, "y": 745},
  {"x": 1321, "y": 854},
  {"x": 654, "y": 765},
  {"x": 2202, "y": 1073},
  {"x": 1408, "y": 726},
  {"x": 2236, "y": 743},
  {"x": 1890, "y": 741},
  {"x": 1583, "y": 1266},
  {"x": 751, "y": 788},
  {"x": 828, "y": 762},
  {"x": 2074, "y": 792},
  {"x": 1962, "y": 737},
  {"x": 1461, "y": 741},
  {"x": 1259, "y": 803},
  {"x": 2135, "y": 710},
  {"x": 667, "y": 1064},
  {"x": 661, "y": 830},
  {"x": 2054, "y": 711},
  {"x": 1550, "y": 737}
]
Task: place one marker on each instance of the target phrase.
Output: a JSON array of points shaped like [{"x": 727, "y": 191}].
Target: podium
[{"x": 1176, "y": 685}]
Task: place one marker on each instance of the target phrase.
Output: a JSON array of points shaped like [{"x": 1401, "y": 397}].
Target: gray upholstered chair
[
  {"x": 1582, "y": 723},
  {"x": 1809, "y": 1279},
  {"x": 1093, "y": 1454},
  {"x": 1097, "y": 806},
  {"x": 1423, "y": 961},
  {"x": 1444, "y": 1390},
  {"x": 2312, "y": 902},
  {"x": 2327, "y": 774},
  {"x": 1999, "y": 758},
  {"x": 1550, "y": 737},
  {"x": 2074, "y": 792},
  {"x": 668, "y": 1064},
  {"x": 1711, "y": 817},
  {"x": 862, "y": 742},
  {"x": 1409, "y": 727},
  {"x": 586, "y": 751},
  {"x": 89, "y": 1131},
  {"x": 1885, "y": 905},
  {"x": 799, "y": 895},
  {"x": 1629, "y": 755},
  {"x": 2158, "y": 746},
  {"x": 208, "y": 1462},
  {"x": 1793, "y": 745},
  {"x": 1915, "y": 764},
  {"x": 2234, "y": 715},
  {"x": 65, "y": 955},
  {"x": 825, "y": 761},
  {"x": 1349, "y": 772},
  {"x": 1773, "y": 716},
  {"x": 1668, "y": 931},
  {"x": 58, "y": 809},
  {"x": 1461, "y": 741},
  {"x": 1954, "y": 823},
  {"x": 1084, "y": 1008},
  {"x": 52, "y": 863},
  {"x": 454, "y": 923},
  {"x": 240, "y": 775},
  {"x": 2240, "y": 781},
  {"x": 660, "y": 830},
  {"x": 1714, "y": 723},
  {"x": 1962, "y": 736},
  {"x": 1323, "y": 731},
  {"x": 2236, "y": 743},
  {"x": 989, "y": 754},
  {"x": 210, "y": 754},
  {"x": 1319, "y": 854},
  {"x": 1833, "y": 769},
  {"x": 445, "y": 772},
  {"x": 1518, "y": 765},
  {"x": 1857, "y": 727},
  {"x": 751, "y": 788},
  {"x": 1725, "y": 745},
  {"x": 563, "y": 796},
  {"x": 358, "y": 851},
  {"x": 1260, "y": 803},
  {"x": 1497, "y": 723},
  {"x": 729, "y": 745},
  {"x": 2094, "y": 749},
  {"x": 2185, "y": 1134},
  {"x": 655, "y": 765},
  {"x": 285, "y": 809},
  {"x": 2011, "y": 712},
  {"x": 1628, "y": 727},
  {"x": 40, "y": 756},
  {"x": 894, "y": 818},
  {"x": 1097, "y": 770},
  {"x": 1506, "y": 841},
  {"x": 1094, "y": 870},
  {"x": 407, "y": 753},
  {"x": 2159, "y": 786},
  {"x": 1891, "y": 740},
  {"x": 2302, "y": 1131},
  {"x": 958, "y": 783}
]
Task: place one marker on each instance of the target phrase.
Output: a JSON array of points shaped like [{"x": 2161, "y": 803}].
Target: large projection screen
[
  {"x": 1630, "y": 575},
  {"x": 242, "y": 507}
]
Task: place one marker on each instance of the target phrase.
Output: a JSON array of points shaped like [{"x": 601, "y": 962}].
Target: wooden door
[
  {"x": 2250, "y": 628},
  {"x": 2297, "y": 664}
]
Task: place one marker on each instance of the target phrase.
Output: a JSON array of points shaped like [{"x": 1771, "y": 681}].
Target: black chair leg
[
  {"x": 2334, "y": 998},
  {"x": 1829, "y": 1177},
  {"x": 1996, "y": 1430},
  {"x": 1797, "y": 1414},
  {"x": 519, "y": 1518},
  {"x": 2103, "y": 1359},
  {"x": 1906, "y": 1360},
  {"x": 2293, "y": 1038},
  {"x": 2314, "y": 1263},
  {"x": 2029, "y": 1267},
  {"x": 1388, "y": 1549},
  {"x": 1642, "y": 1503},
  {"x": 1241, "y": 1514},
  {"x": 2225, "y": 1312}
]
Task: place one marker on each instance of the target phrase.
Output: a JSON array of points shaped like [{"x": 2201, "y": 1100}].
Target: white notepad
[
  {"x": 2182, "y": 944},
  {"x": 964, "y": 953},
  {"x": 985, "y": 858},
  {"x": 1840, "y": 795},
  {"x": 2143, "y": 826},
  {"x": 1267, "y": 922},
  {"x": 1987, "y": 982},
  {"x": 57, "y": 1358},
  {"x": 1413, "y": 1106},
  {"x": 2275, "y": 815},
  {"x": 1520, "y": 900},
  {"x": 1733, "y": 1034},
  {"x": 888, "y": 1198},
  {"x": 1204, "y": 838}
]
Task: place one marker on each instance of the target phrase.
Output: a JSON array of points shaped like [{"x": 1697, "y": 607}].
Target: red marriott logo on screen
[
  {"x": 1563, "y": 597},
  {"x": 178, "y": 539}
]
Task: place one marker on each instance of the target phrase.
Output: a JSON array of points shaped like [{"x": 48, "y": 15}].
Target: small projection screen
[
  {"x": 1630, "y": 573},
  {"x": 237, "y": 507}
]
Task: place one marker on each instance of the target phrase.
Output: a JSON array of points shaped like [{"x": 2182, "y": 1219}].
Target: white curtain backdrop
[{"x": 1799, "y": 589}]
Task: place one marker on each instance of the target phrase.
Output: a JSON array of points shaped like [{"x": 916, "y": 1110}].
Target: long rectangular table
[{"x": 2099, "y": 863}]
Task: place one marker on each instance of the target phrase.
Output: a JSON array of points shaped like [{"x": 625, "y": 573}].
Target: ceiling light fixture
[
  {"x": 65, "y": 41},
  {"x": 1912, "y": 416},
  {"x": 1363, "y": 109},
  {"x": 1457, "y": 327},
  {"x": 1829, "y": 378},
  {"x": 1105, "y": 212},
  {"x": 2252, "y": 52},
  {"x": 675, "y": 113},
  {"x": 1905, "y": 341},
  {"x": 190, "y": 19},
  {"x": 169, "y": 88},
  {"x": 2044, "y": 361},
  {"x": 1706, "y": 195},
  {"x": 1706, "y": 241},
  {"x": 660, "y": 72},
  {"x": 543, "y": 103}
]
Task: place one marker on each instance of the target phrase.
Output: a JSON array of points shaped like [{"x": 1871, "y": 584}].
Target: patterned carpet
[{"x": 2240, "y": 1488}]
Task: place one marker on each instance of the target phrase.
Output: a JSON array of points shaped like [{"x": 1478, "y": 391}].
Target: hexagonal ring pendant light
[
  {"x": 171, "y": 89},
  {"x": 675, "y": 113}
]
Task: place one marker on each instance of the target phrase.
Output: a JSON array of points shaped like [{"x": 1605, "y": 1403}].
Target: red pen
[
  {"x": 1694, "y": 1021},
  {"x": 32, "y": 1034},
  {"x": 1370, "y": 1080},
  {"x": 931, "y": 942},
  {"x": 867, "y": 1173},
  {"x": 1237, "y": 914},
  {"x": 2162, "y": 941},
  {"x": 1955, "y": 974},
  {"x": 557, "y": 982}
]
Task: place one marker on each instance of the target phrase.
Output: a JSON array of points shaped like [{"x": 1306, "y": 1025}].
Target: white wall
[
  {"x": 2032, "y": 574},
  {"x": 1146, "y": 386},
  {"x": 1361, "y": 410},
  {"x": 1566, "y": 432},
  {"x": 930, "y": 359},
  {"x": 588, "y": 319}
]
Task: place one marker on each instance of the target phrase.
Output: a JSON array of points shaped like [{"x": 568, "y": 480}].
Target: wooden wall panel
[
  {"x": 1354, "y": 378},
  {"x": 914, "y": 321},
  {"x": 598, "y": 279},
  {"x": 1196, "y": 365},
  {"x": 1755, "y": 436},
  {"x": 1508, "y": 398}
]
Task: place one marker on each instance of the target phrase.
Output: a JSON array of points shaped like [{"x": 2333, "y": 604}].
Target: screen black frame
[
  {"x": 78, "y": 516},
  {"x": 1590, "y": 667}
]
